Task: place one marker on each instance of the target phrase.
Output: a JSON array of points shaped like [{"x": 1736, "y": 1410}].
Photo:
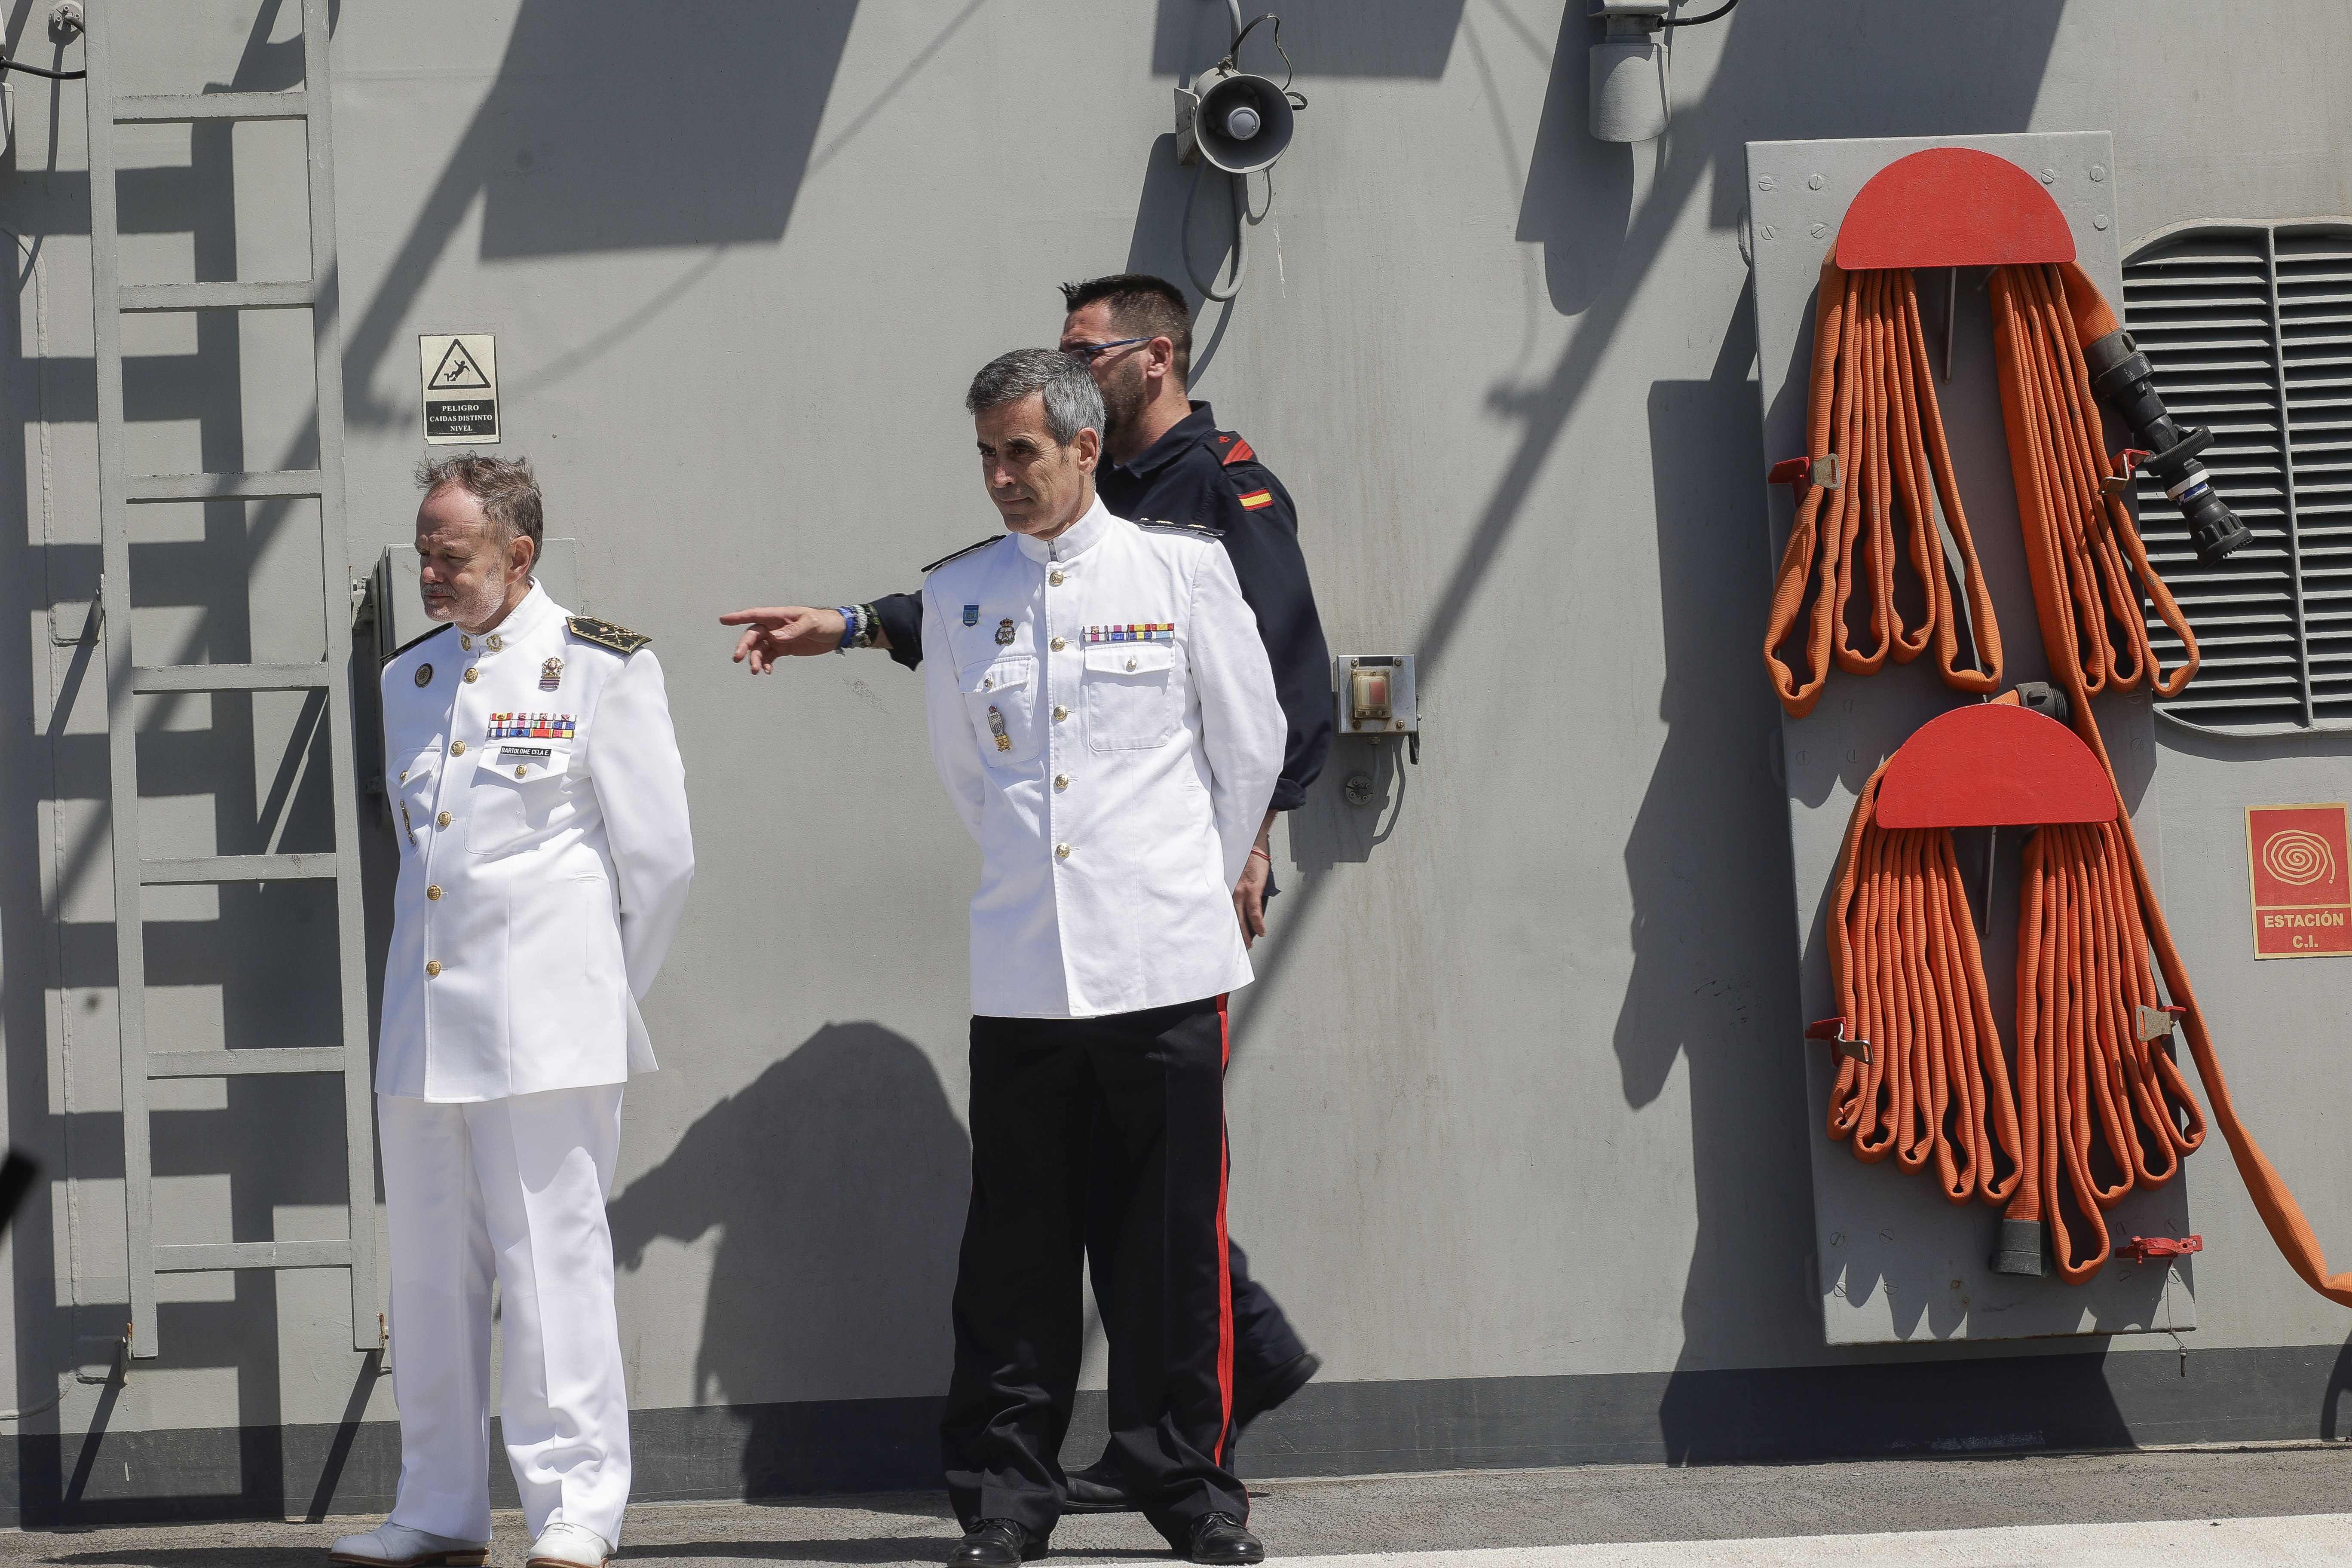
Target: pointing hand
[{"x": 790, "y": 630}]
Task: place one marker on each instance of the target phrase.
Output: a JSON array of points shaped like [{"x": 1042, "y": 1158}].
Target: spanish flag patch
[{"x": 1256, "y": 498}]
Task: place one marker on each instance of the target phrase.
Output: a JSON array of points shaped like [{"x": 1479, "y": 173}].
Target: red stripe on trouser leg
[{"x": 1224, "y": 1255}]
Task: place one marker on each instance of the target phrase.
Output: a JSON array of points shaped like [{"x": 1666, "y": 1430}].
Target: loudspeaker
[{"x": 1240, "y": 123}]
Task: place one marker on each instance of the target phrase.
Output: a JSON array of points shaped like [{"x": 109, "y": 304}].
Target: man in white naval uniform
[
  {"x": 540, "y": 805},
  {"x": 1103, "y": 718}
]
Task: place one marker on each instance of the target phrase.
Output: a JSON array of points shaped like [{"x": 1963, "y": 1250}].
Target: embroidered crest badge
[{"x": 550, "y": 675}]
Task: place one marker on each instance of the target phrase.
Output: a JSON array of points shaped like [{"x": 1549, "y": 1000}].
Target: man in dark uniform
[{"x": 1164, "y": 461}]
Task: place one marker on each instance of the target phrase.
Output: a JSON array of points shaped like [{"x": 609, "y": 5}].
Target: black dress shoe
[
  {"x": 1001, "y": 1543},
  {"x": 1097, "y": 1489},
  {"x": 1254, "y": 1398},
  {"x": 1220, "y": 1539}
]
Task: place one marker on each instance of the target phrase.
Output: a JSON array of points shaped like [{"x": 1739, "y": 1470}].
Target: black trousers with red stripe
[{"x": 1050, "y": 1098}]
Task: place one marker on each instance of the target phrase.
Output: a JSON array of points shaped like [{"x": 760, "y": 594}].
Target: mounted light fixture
[{"x": 1631, "y": 67}]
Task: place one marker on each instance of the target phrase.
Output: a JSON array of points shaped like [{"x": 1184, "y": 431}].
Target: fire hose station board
[
  {"x": 461, "y": 388},
  {"x": 2302, "y": 880},
  {"x": 1896, "y": 1262}
]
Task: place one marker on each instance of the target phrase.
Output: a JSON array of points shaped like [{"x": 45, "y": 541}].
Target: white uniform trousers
[{"x": 514, "y": 1189}]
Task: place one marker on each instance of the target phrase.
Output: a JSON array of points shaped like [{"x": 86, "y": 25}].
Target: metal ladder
[{"x": 126, "y": 680}]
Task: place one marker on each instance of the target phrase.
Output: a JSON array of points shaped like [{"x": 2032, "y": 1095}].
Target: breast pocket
[
  {"x": 413, "y": 784},
  {"x": 1000, "y": 697},
  {"x": 520, "y": 791},
  {"x": 1129, "y": 694}
]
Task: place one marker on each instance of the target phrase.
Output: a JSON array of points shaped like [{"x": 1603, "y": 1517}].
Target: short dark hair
[
  {"x": 1140, "y": 306},
  {"x": 508, "y": 493}
]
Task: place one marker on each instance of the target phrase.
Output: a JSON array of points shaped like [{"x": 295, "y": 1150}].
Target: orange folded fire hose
[
  {"x": 2102, "y": 1112},
  {"x": 1931, "y": 1086},
  {"x": 1873, "y": 405},
  {"x": 2043, "y": 315}
]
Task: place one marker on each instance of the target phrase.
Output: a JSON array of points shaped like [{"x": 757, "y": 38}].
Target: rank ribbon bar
[{"x": 531, "y": 727}]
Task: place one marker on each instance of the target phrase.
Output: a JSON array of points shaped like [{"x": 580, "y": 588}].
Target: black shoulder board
[
  {"x": 411, "y": 642},
  {"x": 961, "y": 553},
  {"x": 1197, "y": 530},
  {"x": 604, "y": 634}
]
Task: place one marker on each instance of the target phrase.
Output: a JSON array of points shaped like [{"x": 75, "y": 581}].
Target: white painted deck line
[{"x": 2297, "y": 1540}]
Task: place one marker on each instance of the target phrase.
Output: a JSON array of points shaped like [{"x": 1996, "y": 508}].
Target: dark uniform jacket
[{"x": 1197, "y": 476}]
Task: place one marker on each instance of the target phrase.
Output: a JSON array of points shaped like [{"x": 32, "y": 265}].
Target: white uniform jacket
[
  {"x": 539, "y": 804},
  {"x": 1104, "y": 719}
]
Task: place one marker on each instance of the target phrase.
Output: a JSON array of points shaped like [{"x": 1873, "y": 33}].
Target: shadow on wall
[
  {"x": 1579, "y": 192},
  {"x": 565, "y": 164},
  {"x": 1353, "y": 37},
  {"x": 837, "y": 1183}
]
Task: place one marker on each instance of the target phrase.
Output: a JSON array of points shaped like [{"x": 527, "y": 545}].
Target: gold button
[
  {"x": 1131, "y": 664},
  {"x": 1061, "y": 851},
  {"x": 464, "y": 641},
  {"x": 434, "y": 892},
  {"x": 987, "y": 685},
  {"x": 519, "y": 770},
  {"x": 1060, "y": 712},
  {"x": 403, "y": 776},
  {"x": 1061, "y": 781},
  {"x": 1059, "y": 645},
  {"x": 456, "y": 748},
  {"x": 497, "y": 642},
  {"x": 444, "y": 819},
  {"x": 431, "y": 967},
  {"x": 472, "y": 675},
  {"x": 1054, "y": 578}
]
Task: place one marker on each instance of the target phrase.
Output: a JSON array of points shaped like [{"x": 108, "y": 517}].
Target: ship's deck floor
[{"x": 2188, "y": 1507}]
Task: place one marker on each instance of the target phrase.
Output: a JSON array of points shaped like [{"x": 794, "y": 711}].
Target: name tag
[{"x": 525, "y": 754}]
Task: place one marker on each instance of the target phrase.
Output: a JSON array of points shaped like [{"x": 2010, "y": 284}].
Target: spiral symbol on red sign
[{"x": 2299, "y": 858}]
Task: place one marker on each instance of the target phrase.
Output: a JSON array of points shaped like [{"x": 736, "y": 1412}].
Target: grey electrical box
[
  {"x": 400, "y": 606},
  {"x": 1373, "y": 695}
]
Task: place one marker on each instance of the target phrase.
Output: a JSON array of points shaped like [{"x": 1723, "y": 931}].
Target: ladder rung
[
  {"x": 245, "y": 1063},
  {"x": 232, "y": 677},
  {"x": 280, "y": 482},
  {"x": 240, "y": 869},
  {"x": 216, "y": 296},
  {"x": 204, "y": 1257},
  {"x": 146, "y": 108}
]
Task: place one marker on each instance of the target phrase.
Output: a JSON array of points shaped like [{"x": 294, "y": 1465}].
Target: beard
[
  {"x": 471, "y": 607},
  {"x": 1122, "y": 402}
]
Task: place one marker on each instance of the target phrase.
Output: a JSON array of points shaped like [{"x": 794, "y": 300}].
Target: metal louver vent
[{"x": 2249, "y": 327}]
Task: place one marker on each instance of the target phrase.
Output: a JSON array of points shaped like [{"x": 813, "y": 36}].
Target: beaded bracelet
[{"x": 869, "y": 626}]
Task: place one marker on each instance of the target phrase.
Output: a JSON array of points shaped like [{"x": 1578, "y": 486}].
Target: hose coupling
[
  {"x": 2019, "y": 1250},
  {"x": 2122, "y": 378},
  {"x": 2041, "y": 697}
]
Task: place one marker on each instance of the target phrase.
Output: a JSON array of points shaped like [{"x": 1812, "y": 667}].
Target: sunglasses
[{"x": 1087, "y": 352}]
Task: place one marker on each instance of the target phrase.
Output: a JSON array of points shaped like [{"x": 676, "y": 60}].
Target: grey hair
[
  {"x": 508, "y": 493},
  {"x": 1073, "y": 402}
]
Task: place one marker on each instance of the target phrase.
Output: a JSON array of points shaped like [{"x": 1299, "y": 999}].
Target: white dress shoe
[
  {"x": 392, "y": 1546},
  {"x": 567, "y": 1546}
]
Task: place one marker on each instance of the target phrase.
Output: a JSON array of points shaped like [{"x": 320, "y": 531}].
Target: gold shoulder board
[
  {"x": 604, "y": 634},
  {"x": 961, "y": 553}
]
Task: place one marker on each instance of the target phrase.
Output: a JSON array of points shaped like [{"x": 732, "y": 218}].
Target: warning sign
[
  {"x": 2302, "y": 881},
  {"x": 461, "y": 388}
]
